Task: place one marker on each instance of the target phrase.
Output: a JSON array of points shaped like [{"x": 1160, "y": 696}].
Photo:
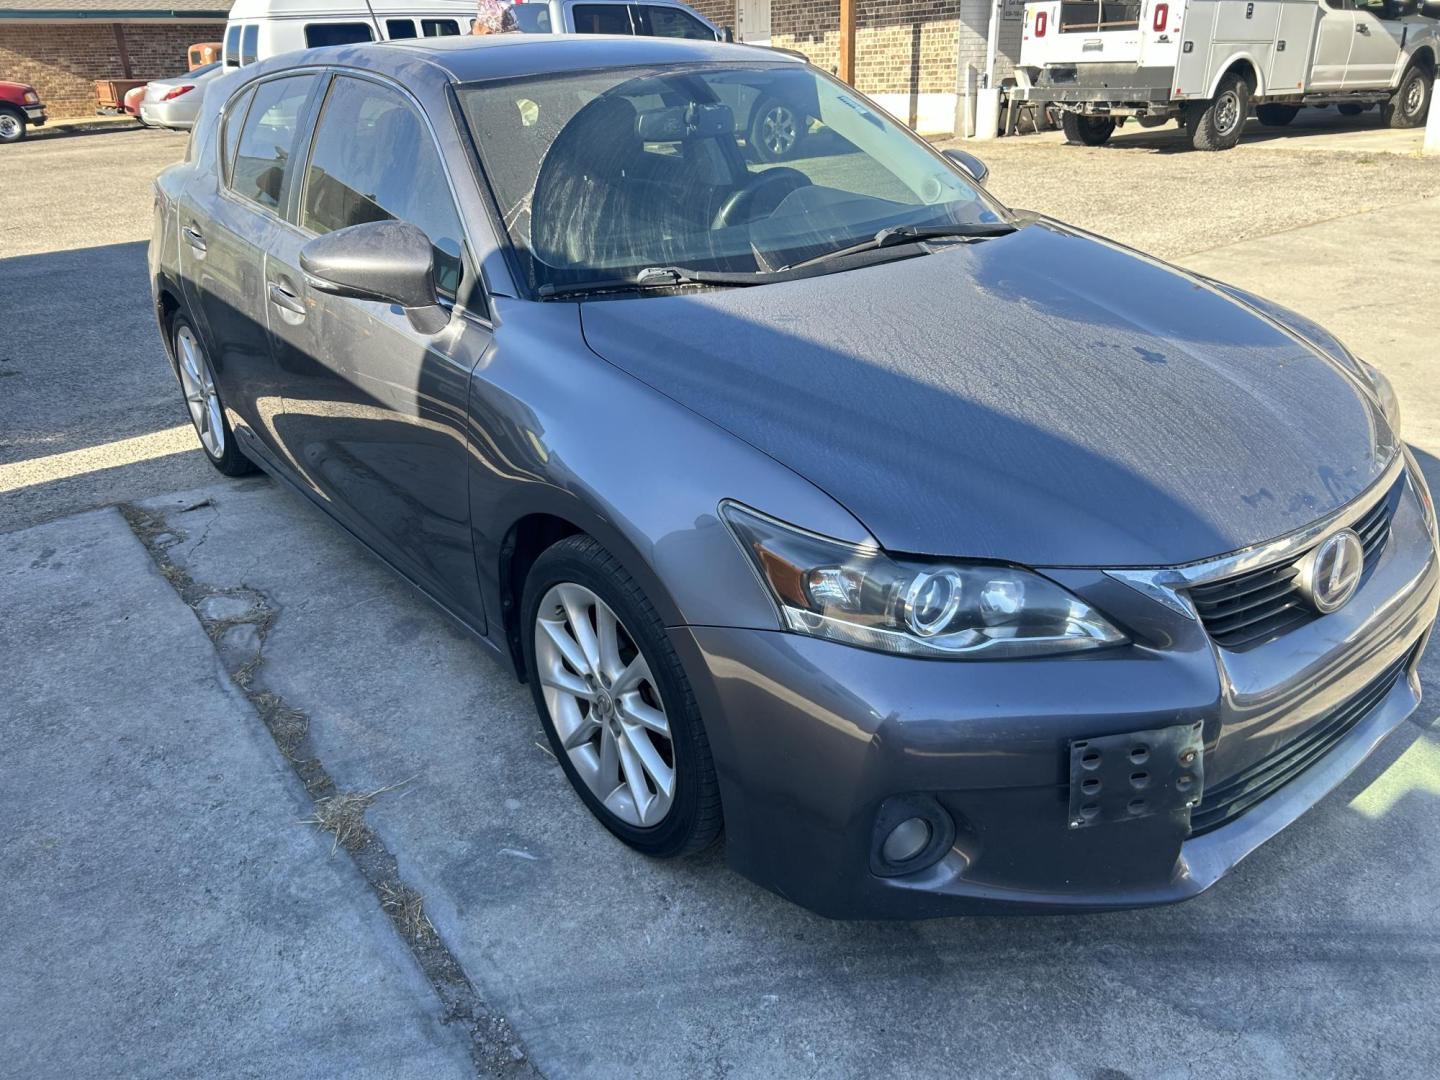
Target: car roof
[{"x": 471, "y": 58}]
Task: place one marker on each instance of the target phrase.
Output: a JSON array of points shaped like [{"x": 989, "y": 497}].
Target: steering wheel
[{"x": 758, "y": 196}]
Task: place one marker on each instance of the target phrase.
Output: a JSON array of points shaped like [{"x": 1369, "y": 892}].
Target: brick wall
[
  {"x": 719, "y": 12},
  {"x": 63, "y": 60},
  {"x": 901, "y": 46}
]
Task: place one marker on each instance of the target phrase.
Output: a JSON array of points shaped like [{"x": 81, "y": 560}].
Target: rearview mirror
[
  {"x": 971, "y": 165},
  {"x": 389, "y": 261}
]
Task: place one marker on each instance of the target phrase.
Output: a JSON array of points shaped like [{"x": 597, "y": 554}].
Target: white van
[{"x": 258, "y": 29}]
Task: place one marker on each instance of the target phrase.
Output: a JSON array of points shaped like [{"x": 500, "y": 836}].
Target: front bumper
[
  {"x": 813, "y": 741},
  {"x": 35, "y": 115}
]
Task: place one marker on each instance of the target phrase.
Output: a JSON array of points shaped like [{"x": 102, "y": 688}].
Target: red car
[{"x": 19, "y": 106}]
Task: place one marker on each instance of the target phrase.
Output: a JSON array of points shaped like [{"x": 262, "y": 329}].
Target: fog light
[{"x": 906, "y": 840}]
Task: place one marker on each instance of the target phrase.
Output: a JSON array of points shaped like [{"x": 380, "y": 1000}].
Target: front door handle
[
  {"x": 282, "y": 297},
  {"x": 192, "y": 235}
]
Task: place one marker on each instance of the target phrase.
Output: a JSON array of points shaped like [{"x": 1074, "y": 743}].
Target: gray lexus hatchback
[{"x": 947, "y": 557}]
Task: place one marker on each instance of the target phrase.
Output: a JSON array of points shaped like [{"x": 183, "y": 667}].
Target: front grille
[
  {"x": 1258, "y": 606},
  {"x": 1229, "y": 799}
]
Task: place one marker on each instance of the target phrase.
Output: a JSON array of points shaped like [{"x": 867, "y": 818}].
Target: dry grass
[
  {"x": 343, "y": 815},
  {"x": 406, "y": 909}
]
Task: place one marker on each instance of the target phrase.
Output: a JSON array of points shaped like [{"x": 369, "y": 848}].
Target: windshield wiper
[
  {"x": 655, "y": 277},
  {"x": 907, "y": 234}
]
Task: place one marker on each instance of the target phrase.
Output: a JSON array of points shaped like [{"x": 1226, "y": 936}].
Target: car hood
[{"x": 1044, "y": 397}]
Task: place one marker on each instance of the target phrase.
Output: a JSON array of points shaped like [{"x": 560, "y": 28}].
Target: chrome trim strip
[{"x": 1173, "y": 579}]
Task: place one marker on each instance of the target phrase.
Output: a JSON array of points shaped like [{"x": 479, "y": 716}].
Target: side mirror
[
  {"x": 971, "y": 165},
  {"x": 389, "y": 261},
  {"x": 727, "y": 35}
]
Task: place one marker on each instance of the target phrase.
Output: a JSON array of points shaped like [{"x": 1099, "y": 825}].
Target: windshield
[{"x": 710, "y": 167}]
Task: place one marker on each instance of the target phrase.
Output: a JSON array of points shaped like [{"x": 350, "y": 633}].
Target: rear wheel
[
  {"x": 776, "y": 131},
  {"x": 1087, "y": 130},
  {"x": 1218, "y": 125},
  {"x": 1276, "y": 115},
  {"x": 202, "y": 398},
  {"x": 12, "y": 126},
  {"x": 615, "y": 702},
  {"x": 1411, "y": 101}
]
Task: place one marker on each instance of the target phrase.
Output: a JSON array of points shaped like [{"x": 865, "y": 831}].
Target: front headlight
[{"x": 956, "y": 610}]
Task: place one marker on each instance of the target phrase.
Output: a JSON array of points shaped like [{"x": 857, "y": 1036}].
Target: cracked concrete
[
  {"x": 238, "y": 619},
  {"x": 165, "y": 913}
]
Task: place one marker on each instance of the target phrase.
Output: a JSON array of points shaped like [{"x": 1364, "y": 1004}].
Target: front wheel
[
  {"x": 615, "y": 703},
  {"x": 12, "y": 126},
  {"x": 776, "y": 132},
  {"x": 1276, "y": 115},
  {"x": 1411, "y": 101},
  {"x": 202, "y": 399},
  {"x": 1218, "y": 125},
  {"x": 1087, "y": 130}
]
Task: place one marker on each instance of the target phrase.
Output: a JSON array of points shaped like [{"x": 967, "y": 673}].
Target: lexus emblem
[{"x": 1330, "y": 574}]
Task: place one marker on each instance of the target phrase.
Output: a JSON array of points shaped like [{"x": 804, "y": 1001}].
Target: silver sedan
[{"x": 174, "y": 103}]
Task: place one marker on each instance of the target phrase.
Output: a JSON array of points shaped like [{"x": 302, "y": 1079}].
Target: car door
[
  {"x": 1375, "y": 50},
  {"x": 374, "y": 414},
  {"x": 228, "y": 220},
  {"x": 1332, "y": 44}
]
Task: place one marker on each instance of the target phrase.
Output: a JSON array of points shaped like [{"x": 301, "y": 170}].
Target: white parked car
[
  {"x": 175, "y": 103},
  {"x": 259, "y": 29}
]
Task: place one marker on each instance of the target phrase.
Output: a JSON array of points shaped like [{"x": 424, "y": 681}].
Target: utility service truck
[{"x": 1205, "y": 63}]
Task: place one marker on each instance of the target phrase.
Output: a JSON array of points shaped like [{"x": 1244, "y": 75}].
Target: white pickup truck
[{"x": 1206, "y": 62}]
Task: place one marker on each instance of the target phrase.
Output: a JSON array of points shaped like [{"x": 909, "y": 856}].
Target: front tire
[
  {"x": 1276, "y": 115},
  {"x": 1218, "y": 125},
  {"x": 615, "y": 703},
  {"x": 12, "y": 126},
  {"x": 202, "y": 399},
  {"x": 1087, "y": 130},
  {"x": 1411, "y": 101},
  {"x": 776, "y": 131}
]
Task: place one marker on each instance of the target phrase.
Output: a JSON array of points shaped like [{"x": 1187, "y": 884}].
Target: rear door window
[
  {"x": 659, "y": 21},
  {"x": 262, "y": 158},
  {"x": 602, "y": 19},
  {"x": 250, "y": 44},
  {"x": 318, "y": 35},
  {"x": 234, "y": 121},
  {"x": 398, "y": 29},
  {"x": 440, "y": 27},
  {"x": 373, "y": 159},
  {"x": 530, "y": 18}
]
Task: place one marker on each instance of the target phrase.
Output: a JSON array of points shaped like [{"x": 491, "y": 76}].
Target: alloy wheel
[
  {"x": 201, "y": 397},
  {"x": 605, "y": 705},
  {"x": 778, "y": 130}
]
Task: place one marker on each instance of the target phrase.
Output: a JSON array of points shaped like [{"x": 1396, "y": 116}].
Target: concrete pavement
[{"x": 167, "y": 912}]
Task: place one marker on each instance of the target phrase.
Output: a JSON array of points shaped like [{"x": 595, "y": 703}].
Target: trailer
[{"x": 1207, "y": 63}]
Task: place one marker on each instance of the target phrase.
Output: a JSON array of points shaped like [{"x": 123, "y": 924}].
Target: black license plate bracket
[{"x": 1136, "y": 774}]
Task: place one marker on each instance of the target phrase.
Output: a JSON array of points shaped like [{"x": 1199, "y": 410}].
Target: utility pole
[{"x": 847, "y": 41}]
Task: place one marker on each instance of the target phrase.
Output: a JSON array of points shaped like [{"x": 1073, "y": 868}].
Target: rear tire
[
  {"x": 1411, "y": 101},
  {"x": 12, "y": 125},
  {"x": 202, "y": 399},
  {"x": 1086, "y": 130},
  {"x": 1276, "y": 115},
  {"x": 609, "y": 704},
  {"x": 1218, "y": 125}
]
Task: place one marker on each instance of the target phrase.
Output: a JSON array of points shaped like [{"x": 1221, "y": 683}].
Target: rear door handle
[
  {"x": 282, "y": 297},
  {"x": 192, "y": 235}
]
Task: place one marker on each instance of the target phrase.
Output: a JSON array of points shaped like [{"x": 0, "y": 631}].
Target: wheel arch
[
  {"x": 1246, "y": 66},
  {"x": 1423, "y": 56}
]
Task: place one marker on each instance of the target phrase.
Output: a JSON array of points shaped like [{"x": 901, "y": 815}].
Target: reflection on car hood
[{"x": 1045, "y": 398}]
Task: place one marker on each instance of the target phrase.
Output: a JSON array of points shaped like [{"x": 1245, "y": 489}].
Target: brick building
[
  {"x": 62, "y": 47},
  {"x": 909, "y": 54}
]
